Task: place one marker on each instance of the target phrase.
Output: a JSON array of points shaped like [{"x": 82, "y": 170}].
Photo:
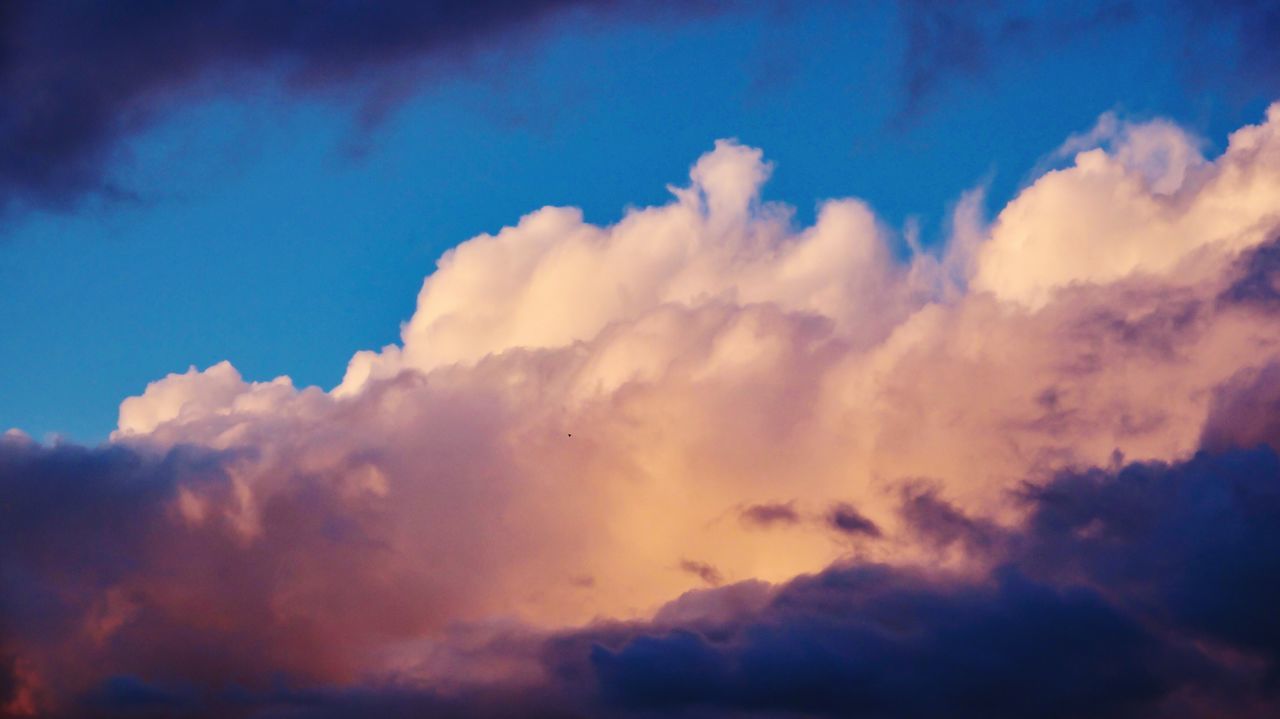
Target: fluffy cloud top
[
  {"x": 582, "y": 424},
  {"x": 1148, "y": 207}
]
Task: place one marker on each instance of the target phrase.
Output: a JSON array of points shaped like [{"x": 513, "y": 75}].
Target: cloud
[
  {"x": 1245, "y": 411},
  {"x": 428, "y": 533},
  {"x": 1125, "y": 531},
  {"x": 553, "y": 280},
  {"x": 1136, "y": 591},
  {"x": 1227, "y": 44},
  {"x": 902, "y": 647},
  {"x": 702, "y": 570},
  {"x": 845, "y": 519},
  {"x": 1141, "y": 590},
  {"x": 709, "y": 338},
  {"x": 78, "y": 78},
  {"x": 769, "y": 514},
  {"x": 1257, "y": 280},
  {"x": 934, "y": 521},
  {"x": 1147, "y": 206}
]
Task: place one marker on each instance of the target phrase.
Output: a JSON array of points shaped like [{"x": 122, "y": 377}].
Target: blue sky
[{"x": 283, "y": 233}]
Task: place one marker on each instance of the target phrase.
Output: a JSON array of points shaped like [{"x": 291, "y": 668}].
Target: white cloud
[{"x": 573, "y": 401}]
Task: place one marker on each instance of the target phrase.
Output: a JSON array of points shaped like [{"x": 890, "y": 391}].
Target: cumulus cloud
[
  {"x": 584, "y": 422},
  {"x": 1146, "y": 207},
  {"x": 554, "y": 280}
]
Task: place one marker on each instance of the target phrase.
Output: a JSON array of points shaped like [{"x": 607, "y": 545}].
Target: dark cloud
[
  {"x": 1140, "y": 321},
  {"x": 1255, "y": 25},
  {"x": 1257, "y": 280},
  {"x": 967, "y": 39},
  {"x": 8, "y": 677},
  {"x": 1194, "y": 546},
  {"x": 702, "y": 570},
  {"x": 75, "y": 77},
  {"x": 945, "y": 39},
  {"x": 128, "y": 695},
  {"x": 844, "y": 518},
  {"x": 1140, "y": 590},
  {"x": 1245, "y": 411},
  {"x": 130, "y": 698},
  {"x": 770, "y": 514},
  {"x": 873, "y": 641},
  {"x": 940, "y": 524},
  {"x": 95, "y": 545}
]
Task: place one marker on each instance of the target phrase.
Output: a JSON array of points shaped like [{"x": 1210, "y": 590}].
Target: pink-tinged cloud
[{"x": 582, "y": 424}]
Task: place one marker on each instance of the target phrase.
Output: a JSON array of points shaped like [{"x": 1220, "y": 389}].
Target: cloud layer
[{"x": 706, "y": 461}]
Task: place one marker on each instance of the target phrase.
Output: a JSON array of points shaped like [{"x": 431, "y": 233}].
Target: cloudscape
[{"x": 701, "y": 450}]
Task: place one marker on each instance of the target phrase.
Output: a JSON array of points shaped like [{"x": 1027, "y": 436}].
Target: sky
[
  {"x": 578, "y": 358},
  {"x": 283, "y": 230}
]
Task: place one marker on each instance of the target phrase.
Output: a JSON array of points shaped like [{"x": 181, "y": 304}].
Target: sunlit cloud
[{"x": 707, "y": 457}]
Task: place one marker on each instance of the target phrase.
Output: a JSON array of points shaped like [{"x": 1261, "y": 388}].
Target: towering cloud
[{"x": 706, "y": 460}]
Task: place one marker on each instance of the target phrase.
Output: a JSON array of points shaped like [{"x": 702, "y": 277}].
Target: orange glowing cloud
[{"x": 585, "y": 422}]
